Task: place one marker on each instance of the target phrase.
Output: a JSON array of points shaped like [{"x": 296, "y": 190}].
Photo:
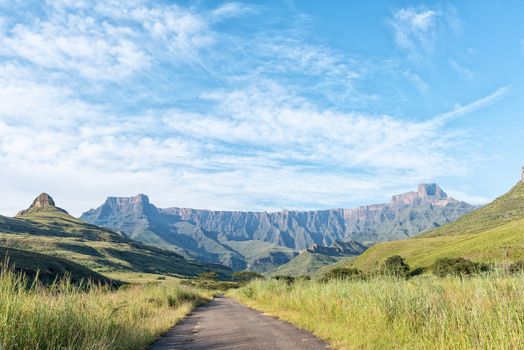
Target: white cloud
[
  {"x": 460, "y": 69},
  {"x": 418, "y": 30},
  {"x": 414, "y": 30},
  {"x": 262, "y": 148},
  {"x": 469, "y": 198},
  {"x": 417, "y": 81},
  {"x": 460, "y": 110},
  {"x": 231, "y": 9},
  {"x": 73, "y": 80},
  {"x": 107, "y": 41}
]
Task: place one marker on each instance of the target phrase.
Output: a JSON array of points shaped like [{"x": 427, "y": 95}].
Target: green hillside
[
  {"x": 306, "y": 263},
  {"x": 505, "y": 209},
  {"x": 484, "y": 235},
  {"x": 262, "y": 256},
  {"x": 49, "y": 230},
  {"x": 341, "y": 262},
  {"x": 48, "y": 268}
]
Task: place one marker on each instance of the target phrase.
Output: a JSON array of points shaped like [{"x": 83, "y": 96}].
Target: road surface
[{"x": 226, "y": 324}]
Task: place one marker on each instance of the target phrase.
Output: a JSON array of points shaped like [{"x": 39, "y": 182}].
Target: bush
[
  {"x": 516, "y": 267},
  {"x": 458, "y": 267},
  {"x": 303, "y": 278},
  {"x": 246, "y": 276},
  {"x": 417, "y": 271},
  {"x": 396, "y": 266},
  {"x": 208, "y": 276},
  {"x": 213, "y": 285},
  {"x": 287, "y": 279},
  {"x": 343, "y": 273}
]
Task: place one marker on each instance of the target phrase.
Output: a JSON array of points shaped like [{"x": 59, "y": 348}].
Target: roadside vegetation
[
  {"x": 66, "y": 316},
  {"x": 460, "y": 305}
]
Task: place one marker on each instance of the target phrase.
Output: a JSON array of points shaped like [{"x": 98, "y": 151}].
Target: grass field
[
  {"x": 64, "y": 317},
  {"x": 384, "y": 313}
]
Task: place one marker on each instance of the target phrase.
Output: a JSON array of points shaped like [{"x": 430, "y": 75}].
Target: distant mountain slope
[
  {"x": 46, "y": 229},
  {"x": 203, "y": 234},
  {"x": 304, "y": 264},
  {"x": 50, "y": 269},
  {"x": 261, "y": 256},
  {"x": 487, "y": 234},
  {"x": 316, "y": 258}
]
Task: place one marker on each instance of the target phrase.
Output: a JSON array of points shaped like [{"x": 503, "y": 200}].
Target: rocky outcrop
[
  {"x": 198, "y": 233},
  {"x": 41, "y": 203}
]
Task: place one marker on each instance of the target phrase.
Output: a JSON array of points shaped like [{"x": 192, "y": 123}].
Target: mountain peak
[
  {"x": 141, "y": 198},
  {"x": 43, "y": 202},
  {"x": 426, "y": 193},
  {"x": 138, "y": 199},
  {"x": 431, "y": 190}
]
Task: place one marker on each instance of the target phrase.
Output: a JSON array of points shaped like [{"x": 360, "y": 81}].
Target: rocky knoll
[
  {"x": 43, "y": 202},
  {"x": 204, "y": 234}
]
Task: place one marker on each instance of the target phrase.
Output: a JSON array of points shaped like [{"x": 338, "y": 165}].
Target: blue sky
[{"x": 258, "y": 105}]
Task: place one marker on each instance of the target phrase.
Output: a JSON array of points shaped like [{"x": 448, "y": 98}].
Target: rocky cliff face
[
  {"x": 201, "y": 233},
  {"x": 339, "y": 248}
]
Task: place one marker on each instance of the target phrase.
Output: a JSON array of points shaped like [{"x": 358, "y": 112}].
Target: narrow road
[{"x": 226, "y": 324}]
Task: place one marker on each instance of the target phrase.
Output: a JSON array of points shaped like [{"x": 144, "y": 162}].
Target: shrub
[
  {"x": 458, "y": 267},
  {"x": 211, "y": 284},
  {"x": 342, "y": 273},
  {"x": 246, "y": 276},
  {"x": 396, "y": 266},
  {"x": 287, "y": 279},
  {"x": 417, "y": 271},
  {"x": 208, "y": 276},
  {"x": 516, "y": 267}
]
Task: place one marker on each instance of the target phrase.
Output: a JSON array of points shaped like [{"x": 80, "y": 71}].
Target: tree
[
  {"x": 208, "y": 276},
  {"x": 457, "y": 267},
  {"x": 342, "y": 273},
  {"x": 246, "y": 276},
  {"x": 396, "y": 266}
]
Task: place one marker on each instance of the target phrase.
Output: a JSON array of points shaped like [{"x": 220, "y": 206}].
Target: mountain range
[{"x": 261, "y": 241}]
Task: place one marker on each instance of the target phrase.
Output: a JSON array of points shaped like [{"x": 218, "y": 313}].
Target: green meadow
[
  {"x": 65, "y": 316},
  {"x": 425, "y": 312}
]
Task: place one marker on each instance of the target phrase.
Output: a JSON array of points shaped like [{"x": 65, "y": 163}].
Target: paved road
[{"x": 226, "y": 324}]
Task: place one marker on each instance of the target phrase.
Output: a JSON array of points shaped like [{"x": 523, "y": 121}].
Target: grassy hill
[
  {"x": 341, "y": 262},
  {"x": 49, "y": 269},
  {"x": 306, "y": 263},
  {"x": 484, "y": 235},
  {"x": 505, "y": 209},
  {"x": 49, "y": 230}
]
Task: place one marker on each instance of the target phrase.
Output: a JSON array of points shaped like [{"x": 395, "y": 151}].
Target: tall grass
[
  {"x": 68, "y": 317},
  {"x": 386, "y": 313}
]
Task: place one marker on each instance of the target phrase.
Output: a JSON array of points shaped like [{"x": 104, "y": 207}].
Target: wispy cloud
[
  {"x": 460, "y": 69},
  {"x": 417, "y": 81},
  {"x": 116, "y": 98},
  {"x": 459, "y": 110},
  {"x": 417, "y": 30}
]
